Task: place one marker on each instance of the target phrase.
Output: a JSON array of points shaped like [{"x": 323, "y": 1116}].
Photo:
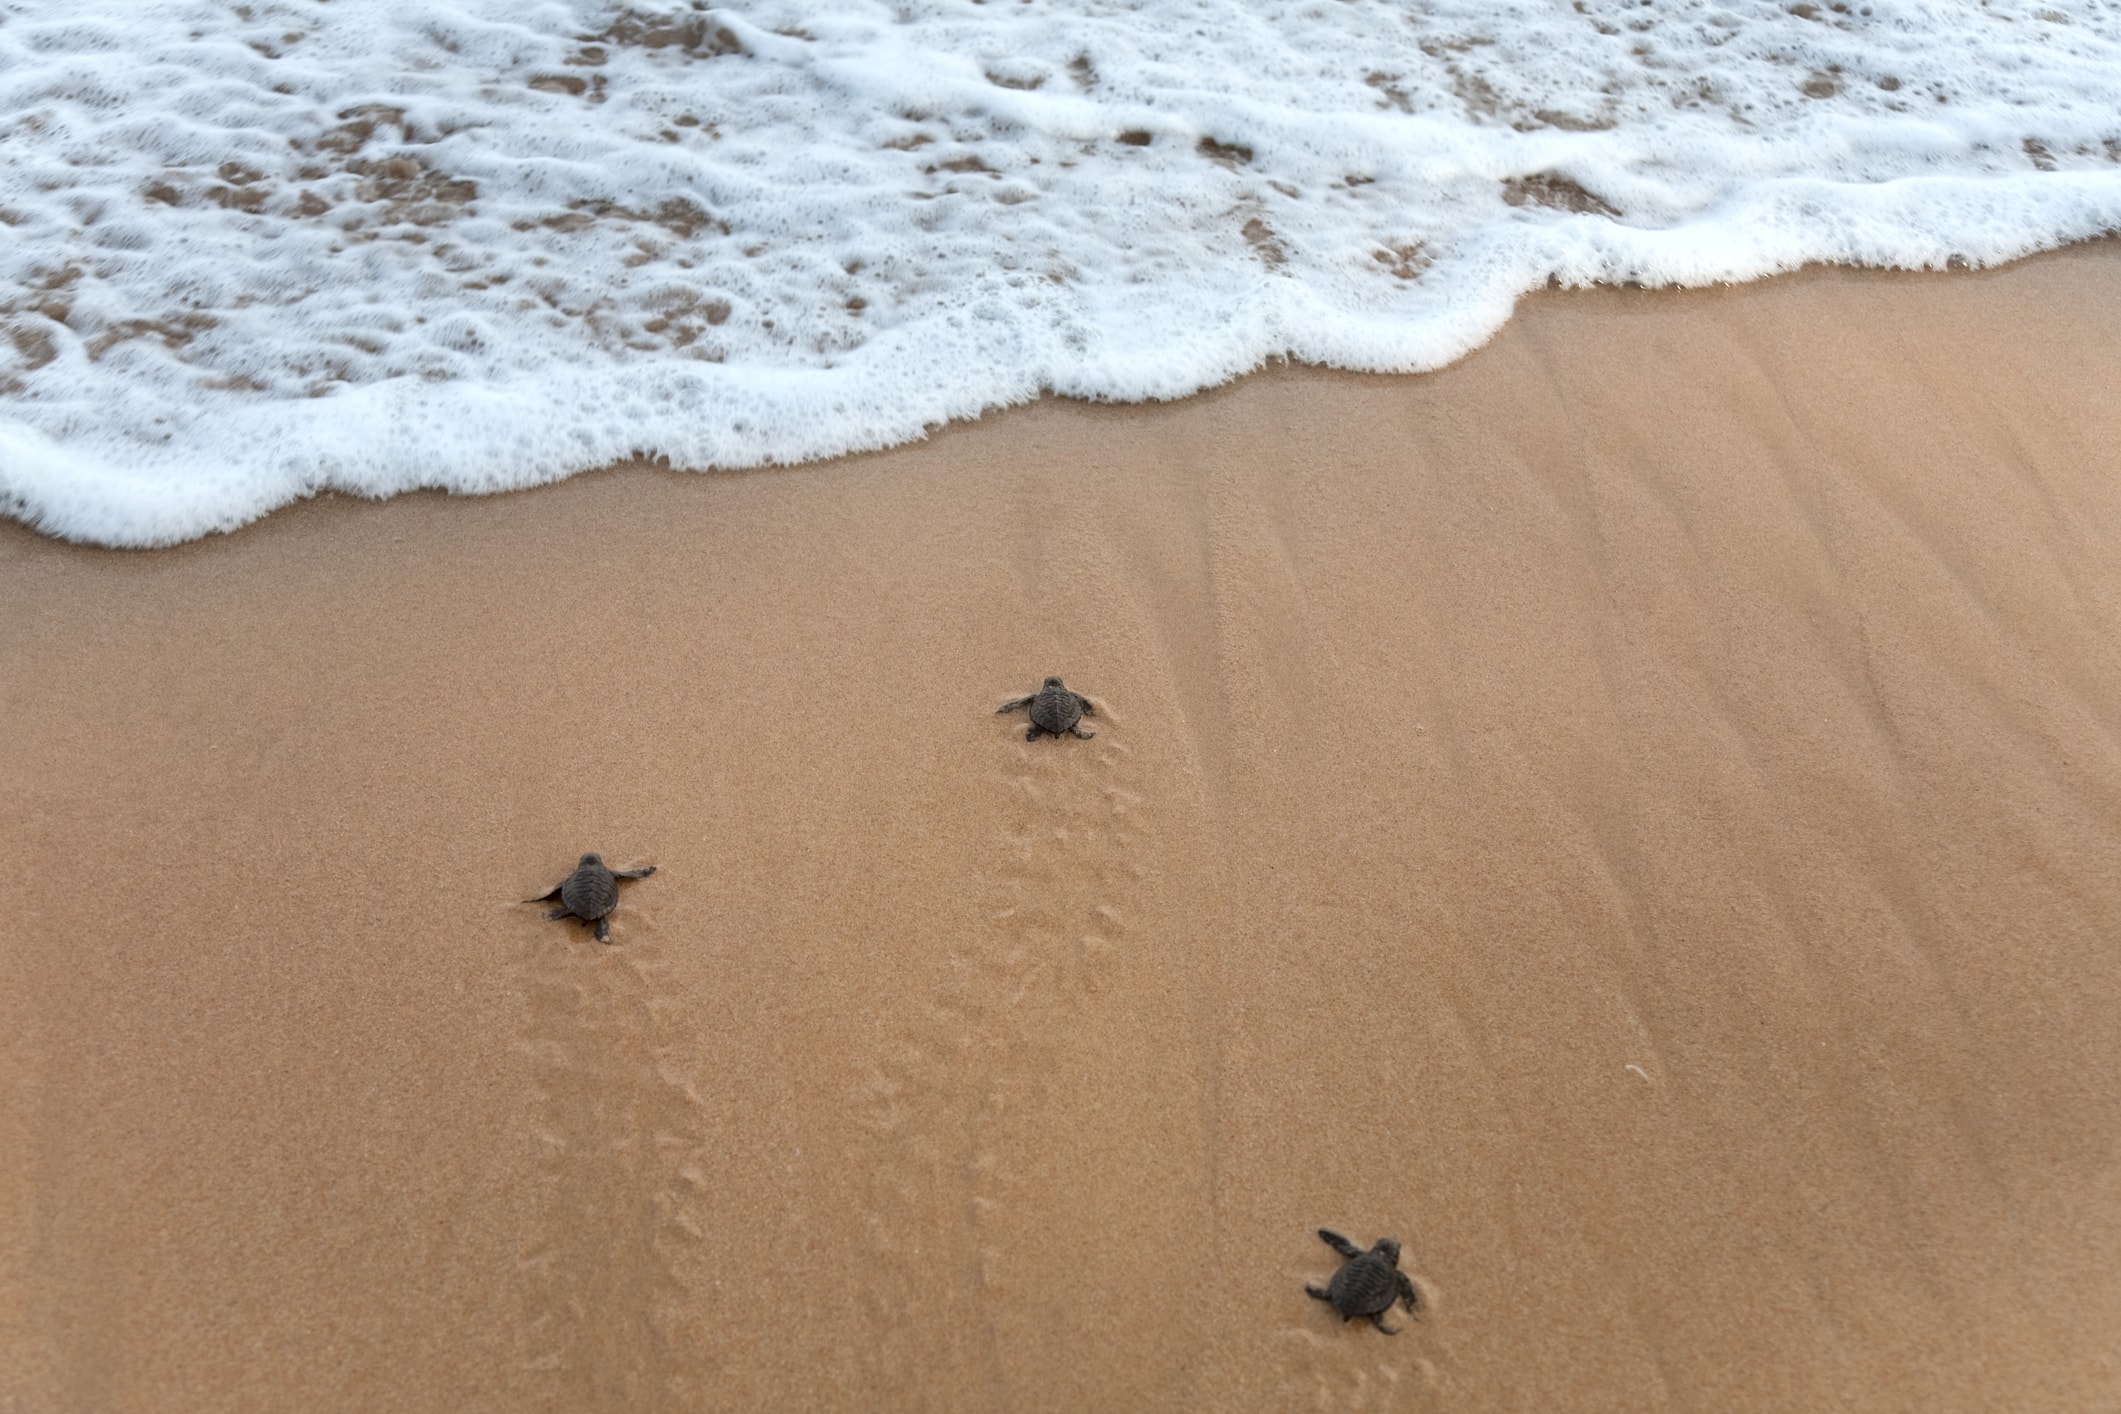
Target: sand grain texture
[{"x": 1636, "y": 815}]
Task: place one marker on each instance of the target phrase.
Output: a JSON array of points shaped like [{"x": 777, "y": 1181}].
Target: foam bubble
[{"x": 248, "y": 253}]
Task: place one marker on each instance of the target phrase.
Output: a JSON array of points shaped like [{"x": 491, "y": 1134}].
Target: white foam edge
[{"x": 381, "y": 439}]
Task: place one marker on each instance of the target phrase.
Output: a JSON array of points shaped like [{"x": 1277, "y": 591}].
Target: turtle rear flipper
[
  {"x": 1079, "y": 732},
  {"x": 1378, "y": 1320},
  {"x": 557, "y": 914},
  {"x": 603, "y": 930},
  {"x": 1034, "y": 734},
  {"x": 1318, "y": 1293},
  {"x": 1338, "y": 1243}
]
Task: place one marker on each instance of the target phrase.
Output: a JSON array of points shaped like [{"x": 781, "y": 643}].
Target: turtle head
[
  {"x": 1053, "y": 682},
  {"x": 1388, "y": 1248},
  {"x": 589, "y": 859}
]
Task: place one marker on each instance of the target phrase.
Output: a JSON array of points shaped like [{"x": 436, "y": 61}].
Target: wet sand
[{"x": 1636, "y": 815}]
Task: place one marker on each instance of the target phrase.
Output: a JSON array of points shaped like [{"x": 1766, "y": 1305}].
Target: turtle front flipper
[
  {"x": 1017, "y": 706},
  {"x": 1338, "y": 1243},
  {"x": 641, "y": 873},
  {"x": 548, "y": 898},
  {"x": 1089, "y": 708},
  {"x": 603, "y": 930},
  {"x": 1409, "y": 1296}
]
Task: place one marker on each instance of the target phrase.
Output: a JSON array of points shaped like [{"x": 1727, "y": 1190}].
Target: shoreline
[
  {"x": 1274, "y": 366},
  {"x": 1635, "y": 815}
]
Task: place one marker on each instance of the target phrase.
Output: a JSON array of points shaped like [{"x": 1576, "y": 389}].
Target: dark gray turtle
[
  {"x": 1054, "y": 710},
  {"x": 1368, "y": 1282},
  {"x": 591, "y": 892}
]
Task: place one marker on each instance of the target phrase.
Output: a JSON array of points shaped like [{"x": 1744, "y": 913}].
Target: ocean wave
[{"x": 252, "y": 252}]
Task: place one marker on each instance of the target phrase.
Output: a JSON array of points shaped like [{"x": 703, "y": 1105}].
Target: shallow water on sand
[{"x": 249, "y": 252}]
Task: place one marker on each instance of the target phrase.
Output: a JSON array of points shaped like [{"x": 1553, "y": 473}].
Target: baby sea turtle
[
  {"x": 591, "y": 892},
  {"x": 1368, "y": 1282},
  {"x": 1054, "y": 710}
]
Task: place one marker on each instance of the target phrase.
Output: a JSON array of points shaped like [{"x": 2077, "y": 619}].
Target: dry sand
[{"x": 1636, "y": 815}]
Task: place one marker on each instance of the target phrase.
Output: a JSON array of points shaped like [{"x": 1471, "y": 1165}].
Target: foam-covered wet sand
[{"x": 1636, "y": 815}]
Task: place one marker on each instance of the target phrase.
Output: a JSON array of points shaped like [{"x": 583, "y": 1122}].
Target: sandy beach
[{"x": 1635, "y": 815}]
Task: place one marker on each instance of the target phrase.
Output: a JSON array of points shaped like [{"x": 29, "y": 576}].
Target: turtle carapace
[
  {"x": 1368, "y": 1282},
  {"x": 1055, "y": 711},
  {"x": 591, "y": 892}
]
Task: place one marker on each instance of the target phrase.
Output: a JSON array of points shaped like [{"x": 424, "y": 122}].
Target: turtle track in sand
[
  {"x": 618, "y": 1194},
  {"x": 1060, "y": 891}
]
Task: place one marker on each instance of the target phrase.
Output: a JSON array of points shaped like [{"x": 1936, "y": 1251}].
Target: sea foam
[{"x": 249, "y": 252}]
